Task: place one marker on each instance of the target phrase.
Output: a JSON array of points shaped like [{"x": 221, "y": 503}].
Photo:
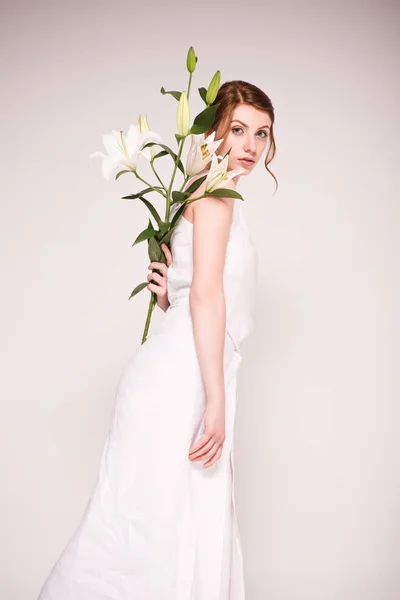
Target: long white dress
[{"x": 158, "y": 526}]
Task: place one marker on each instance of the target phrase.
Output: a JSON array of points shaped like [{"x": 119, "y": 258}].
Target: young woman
[{"x": 160, "y": 523}]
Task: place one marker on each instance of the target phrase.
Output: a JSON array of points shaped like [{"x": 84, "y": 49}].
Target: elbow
[{"x": 207, "y": 295}]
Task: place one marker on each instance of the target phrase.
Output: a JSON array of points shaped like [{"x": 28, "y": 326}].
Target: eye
[{"x": 234, "y": 130}]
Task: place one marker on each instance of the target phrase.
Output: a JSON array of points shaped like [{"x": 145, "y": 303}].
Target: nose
[{"x": 250, "y": 145}]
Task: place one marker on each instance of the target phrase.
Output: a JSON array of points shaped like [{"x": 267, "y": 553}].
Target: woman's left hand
[
  {"x": 160, "y": 287},
  {"x": 209, "y": 446}
]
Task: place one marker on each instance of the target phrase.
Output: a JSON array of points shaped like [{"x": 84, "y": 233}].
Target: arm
[{"x": 212, "y": 218}]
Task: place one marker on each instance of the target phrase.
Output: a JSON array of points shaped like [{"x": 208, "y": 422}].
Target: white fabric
[{"x": 157, "y": 526}]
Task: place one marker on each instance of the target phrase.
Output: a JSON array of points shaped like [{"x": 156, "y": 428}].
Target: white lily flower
[
  {"x": 124, "y": 151},
  {"x": 218, "y": 176},
  {"x": 200, "y": 152}
]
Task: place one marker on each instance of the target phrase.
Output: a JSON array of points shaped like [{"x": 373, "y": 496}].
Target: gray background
[{"x": 317, "y": 435}]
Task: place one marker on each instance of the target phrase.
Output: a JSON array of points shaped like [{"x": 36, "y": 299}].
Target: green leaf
[
  {"x": 164, "y": 227},
  {"x": 204, "y": 120},
  {"x": 152, "y": 210},
  {"x": 166, "y": 238},
  {"x": 138, "y": 289},
  {"x": 155, "y": 252},
  {"x": 161, "y": 153},
  {"x": 224, "y": 193},
  {"x": 195, "y": 185},
  {"x": 176, "y": 95},
  {"x": 142, "y": 192},
  {"x": 169, "y": 150},
  {"x": 178, "y": 137},
  {"x": 177, "y": 215},
  {"x": 179, "y": 196},
  {"x": 203, "y": 93},
  {"x": 122, "y": 172},
  {"x": 174, "y": 222},
  {"x": 145, "y": 235}
]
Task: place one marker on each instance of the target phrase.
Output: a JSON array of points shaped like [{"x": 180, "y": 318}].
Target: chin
[{"x": 246, "y": 171}]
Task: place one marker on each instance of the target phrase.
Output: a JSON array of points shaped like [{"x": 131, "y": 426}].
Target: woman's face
[{"x": 247, "y": 135}]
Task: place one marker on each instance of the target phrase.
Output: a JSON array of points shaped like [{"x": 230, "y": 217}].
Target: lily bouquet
[{"x": 124, "y": 152}]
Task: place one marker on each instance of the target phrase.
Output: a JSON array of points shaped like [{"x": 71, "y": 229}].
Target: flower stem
[
  {"x": 156, "y": 174},
  {"x": 180, "y": 149},
  {"x": 193, "y": 199},
  {"x": 189, "y": 84},
  {"x": 181, "y": 143},
  {"x": 149, "y": 184},
  {"x": 167, "y": 195},
  {"x": 152, "y": 303},
  {"x": 184, "y": 183}
]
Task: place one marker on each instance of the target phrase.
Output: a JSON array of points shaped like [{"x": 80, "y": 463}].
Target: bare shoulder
[
  {"x": 188, "y": 212},
  {"x": 206, "y": 204},
  {"x": 214, "y": 206}
]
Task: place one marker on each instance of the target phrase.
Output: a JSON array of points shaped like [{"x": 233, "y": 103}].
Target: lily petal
[
  {"x": 112, "y": 143},
  {"x": 132, "y": 139},
  {"x": 148, "y": 136}
]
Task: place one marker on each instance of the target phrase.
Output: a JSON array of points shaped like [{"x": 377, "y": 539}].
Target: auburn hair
[{"x": 232, "y": 93}]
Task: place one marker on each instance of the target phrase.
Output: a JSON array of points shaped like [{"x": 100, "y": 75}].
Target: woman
[{"x": 160, "y": 523}]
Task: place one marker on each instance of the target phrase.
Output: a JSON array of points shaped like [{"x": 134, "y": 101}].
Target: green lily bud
[
  {"x": 213, "y": 88},
  {"x": 191, "y": 60},
  {"x": 143, "y": 126},
  {"x": 183, "y": 115}
]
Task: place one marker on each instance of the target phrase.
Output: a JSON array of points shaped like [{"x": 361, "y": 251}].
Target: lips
[{"x": 248, "y": 161}]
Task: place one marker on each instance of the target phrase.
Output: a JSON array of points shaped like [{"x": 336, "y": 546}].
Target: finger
[
  {"x": 210, "y": 454},
  {"x": 200, "y": 453},
  {"x": 205, "y": 438},
  {"x": 160, "y": 290},
  {"x": 167, "y": 253},
  {"x": 213, "y": 460},
  {"x": 158, "y": 265},
  {"x": 156, "y": 277}
]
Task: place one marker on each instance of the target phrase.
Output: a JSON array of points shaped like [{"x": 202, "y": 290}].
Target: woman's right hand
[
  {"x": 209, "y": 446},
  {"x": 160, "y": 288}
]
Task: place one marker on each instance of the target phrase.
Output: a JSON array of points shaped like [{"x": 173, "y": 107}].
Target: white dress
[{"x": 158, "y": 526}]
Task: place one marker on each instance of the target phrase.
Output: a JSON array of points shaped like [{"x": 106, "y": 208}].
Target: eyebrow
[{"x": 241, "y": 122}]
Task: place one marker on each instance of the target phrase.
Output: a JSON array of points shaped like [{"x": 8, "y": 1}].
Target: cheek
[{"x": 230, "y": 141}]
